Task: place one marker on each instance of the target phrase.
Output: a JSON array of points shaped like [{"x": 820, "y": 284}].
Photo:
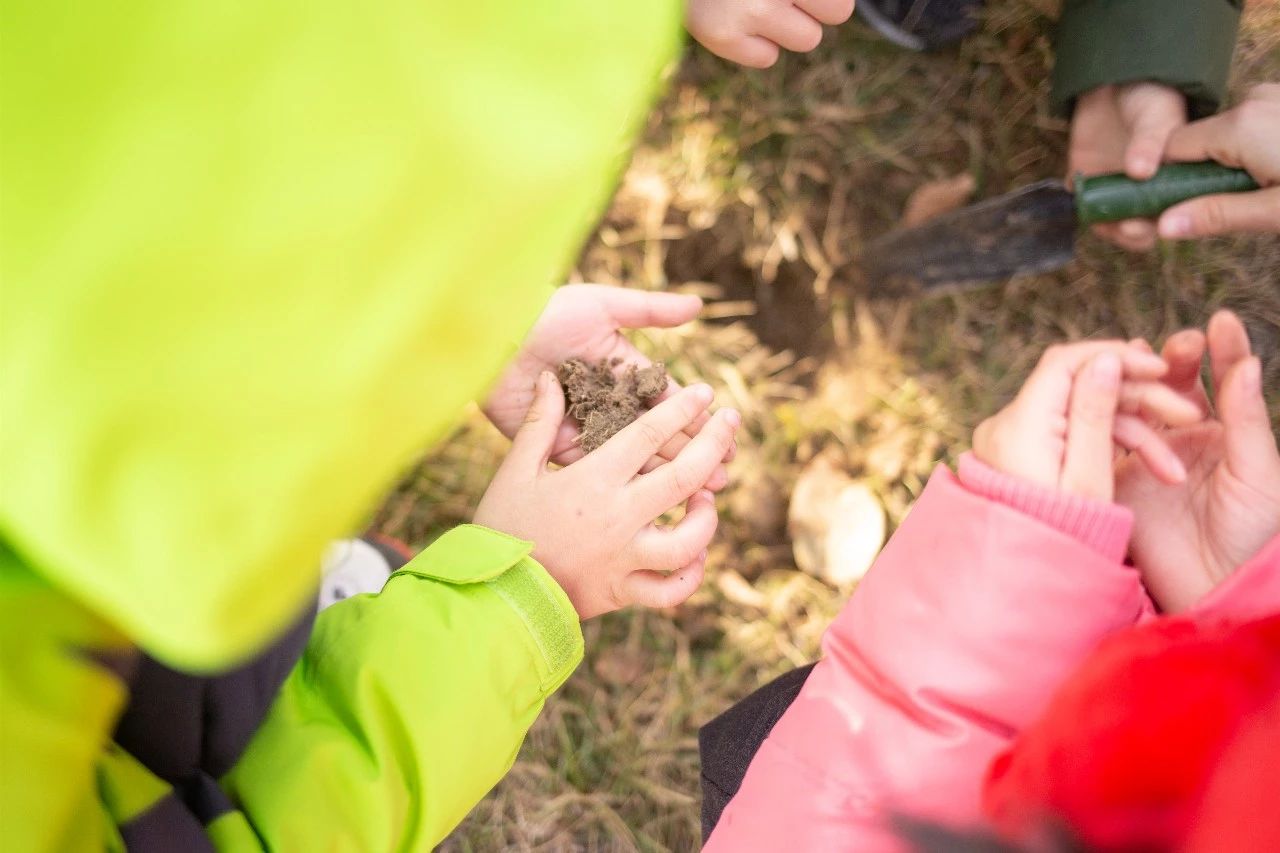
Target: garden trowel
[{"x": 1032, "y": 229}]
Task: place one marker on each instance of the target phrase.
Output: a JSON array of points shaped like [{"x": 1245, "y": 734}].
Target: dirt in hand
[{"x": 603, "y": 401}]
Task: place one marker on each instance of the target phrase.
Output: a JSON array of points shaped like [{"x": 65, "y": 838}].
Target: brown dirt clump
[{"x": 603, "y": 401}]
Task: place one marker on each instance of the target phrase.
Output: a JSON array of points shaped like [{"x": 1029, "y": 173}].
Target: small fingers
[
  {"x": 1228, "y": 345},
  {"x": 1138, "y": 363},
  {"x": 638, "y": 309},
  {"x": 793, "y": 29},
  {"x": 1090, "y": 454},
  {"x": 667, "y": 548},
  {"x": 1153, "y": 111},
  {"x": 677, "y": 443},
  {"x": 716, "y": 482},
  {"x": 677, "y": 480},
  {"x": 1134, "y": 235},
  {"x": 1133, "y": 433},
  {"x": 1158, "y": 402},
  {"x": 680, "y": 440},
  {"x": 1184, "y": 353},
  {"x": 656, "y": 590},
  {"x": 749, "y": 51},
  {"x": 1049, "y": 386},
  {"x": 831, "y": 12},
  {"x": 635, "y": 443}
]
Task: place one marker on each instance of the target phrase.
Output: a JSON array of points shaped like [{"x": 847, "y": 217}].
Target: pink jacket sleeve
[{"x": 972, "y": 615}]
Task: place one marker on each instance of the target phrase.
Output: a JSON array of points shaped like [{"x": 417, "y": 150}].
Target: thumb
[
  {"x": 1211, "y": 215},
  {"x": 1250, "y": 446},
  {"x": 637, "y": 309},
  {"x": 535, "y": 440}
]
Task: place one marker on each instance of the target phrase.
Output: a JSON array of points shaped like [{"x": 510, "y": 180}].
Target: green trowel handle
[{"x": 1110, "y": 198}]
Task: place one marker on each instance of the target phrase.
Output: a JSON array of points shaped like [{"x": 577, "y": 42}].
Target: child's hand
[
  {"x": 586, "y": 321},
  {"x": 1245, "y": 137},
  {"x": 592, "y": 523},
  {"x": 750, "y": 32},
  {"x": 1187, "y": 538},
  {"x": 1080, "y": 402},
  {"x": 1124, "y": 128}
]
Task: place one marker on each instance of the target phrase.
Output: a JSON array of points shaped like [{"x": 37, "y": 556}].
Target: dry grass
[{"x": 757, "y": 189}]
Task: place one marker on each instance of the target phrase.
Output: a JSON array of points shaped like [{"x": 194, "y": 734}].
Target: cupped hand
[
  {"x": 586, "y": 321},
  {"x": 753, "y": 32},
  {"x": 593, "y": 524},
  {"x": 1246, "y": 137},
  {"x": 1189, "y": 537},
  {"x": 1124, "y": 128},
  {"x": 1080, "y": 403}
]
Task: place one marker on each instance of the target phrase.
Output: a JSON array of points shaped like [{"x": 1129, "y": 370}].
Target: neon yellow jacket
[{"x": 255, "y": 257}]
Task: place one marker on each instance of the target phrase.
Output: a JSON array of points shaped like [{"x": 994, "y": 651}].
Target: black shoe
[{"x": 921, "y": 24}]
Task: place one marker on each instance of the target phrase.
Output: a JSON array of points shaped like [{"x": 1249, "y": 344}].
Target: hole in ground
[{"x": 788, "y": 313}]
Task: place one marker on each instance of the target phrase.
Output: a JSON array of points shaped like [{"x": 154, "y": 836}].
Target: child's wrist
[{"x": 1101, "y": 525}]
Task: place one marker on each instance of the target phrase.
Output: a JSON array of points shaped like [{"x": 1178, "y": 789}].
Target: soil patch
[{"x": 604, "y": 401}]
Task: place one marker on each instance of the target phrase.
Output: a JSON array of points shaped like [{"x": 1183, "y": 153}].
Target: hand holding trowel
[{"x": 1033, "y": 229}]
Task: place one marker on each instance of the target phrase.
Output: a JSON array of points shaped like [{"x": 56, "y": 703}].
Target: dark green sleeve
[{"x": 1186, "y": 44}]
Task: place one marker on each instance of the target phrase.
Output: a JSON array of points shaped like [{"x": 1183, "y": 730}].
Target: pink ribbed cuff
[{"x": 1103, "y": 526}]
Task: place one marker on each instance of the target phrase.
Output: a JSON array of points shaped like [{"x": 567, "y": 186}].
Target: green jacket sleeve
[
  {"x": 1186, "y": 44},
  {"x": 409, "y": 705}
]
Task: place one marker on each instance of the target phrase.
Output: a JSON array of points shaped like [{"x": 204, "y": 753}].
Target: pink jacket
[{"x": 990, "y": 593}]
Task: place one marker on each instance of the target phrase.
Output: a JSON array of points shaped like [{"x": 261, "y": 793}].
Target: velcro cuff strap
[{"x": 471, "y": 554}]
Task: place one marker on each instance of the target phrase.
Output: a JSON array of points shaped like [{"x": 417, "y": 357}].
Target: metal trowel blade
[{"x": 1029, "y": 230}]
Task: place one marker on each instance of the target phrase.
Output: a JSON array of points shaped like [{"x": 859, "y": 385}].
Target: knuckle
[
  {"x": 1213, "y": 215},
  {"x": 682, "y": 481},
  {"x": 649, "y": 435}
]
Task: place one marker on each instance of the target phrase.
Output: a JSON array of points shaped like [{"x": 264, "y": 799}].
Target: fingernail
[
  {"x": 1133, "y": 228},
  {"x": 732, "y": 418},
  {"x": 546, "y": 379},
  {"x": 1106, "y": 369},
  {"x": 703, "y": 555},
  {"x": 707, "y": 495},
  {"x": 702, "y": 393},
  {"x": 1176, "y": 468},
  {"x": 1175, "y": 226}
]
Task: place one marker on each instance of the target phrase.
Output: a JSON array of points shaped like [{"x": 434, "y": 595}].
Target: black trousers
[{"x": 727, "y": 744}]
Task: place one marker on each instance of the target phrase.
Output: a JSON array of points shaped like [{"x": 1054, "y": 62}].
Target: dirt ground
[{"x": 756, "y": 190}]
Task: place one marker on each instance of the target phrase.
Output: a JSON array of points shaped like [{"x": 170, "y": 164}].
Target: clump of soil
[{"x": 603, "y": 401}]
